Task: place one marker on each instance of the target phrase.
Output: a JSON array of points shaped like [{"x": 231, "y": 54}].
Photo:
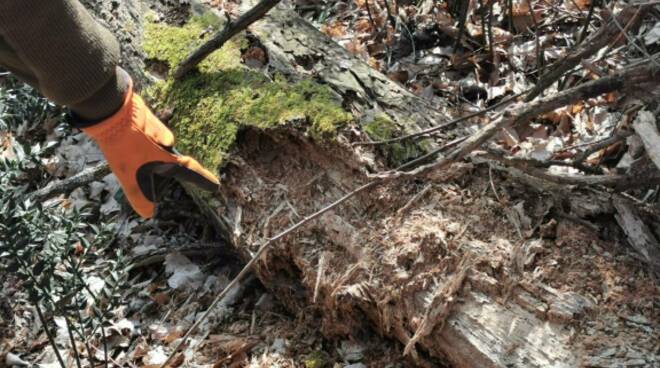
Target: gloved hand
[{"x": 139, "y": 150}]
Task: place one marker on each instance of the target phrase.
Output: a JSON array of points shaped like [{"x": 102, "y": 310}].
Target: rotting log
[
  {"x": 451, "y": 269},
  {"x": 382, "y": 269}
]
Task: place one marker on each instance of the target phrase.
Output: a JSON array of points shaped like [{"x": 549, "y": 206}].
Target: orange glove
[{"x": 139, "y": 150}]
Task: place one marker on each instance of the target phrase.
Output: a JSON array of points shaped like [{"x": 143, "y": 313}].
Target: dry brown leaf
[
  {"x": 161, "y": 298},
  {"x": 335, "y": 30},
  {"x": 255, "y": 57},
  {"x": 78, "y": 248},
  {"x": 140, "y": 351},
  {"x": 565, "y": 125},
  {"x": 611, "y": 97},
  {"x": 501, "y": 35},
  {"x": 375, "y": 48},
  {"x": 444, "y": 19},
  {"x": 581, "y": 4},
  {"x": 523, "y": 18},
  {"x": 177, "y": 361},
  {"x": 234, "y": 348},
  {"x": 577, "y": 108},
  {"x": 173, "y": 335},
  {"x": 357, "y": 48},
  {"x": 374, "y": 63},
  {"x": 400, "y": 76},
  {"x": 363, "y": 25}
]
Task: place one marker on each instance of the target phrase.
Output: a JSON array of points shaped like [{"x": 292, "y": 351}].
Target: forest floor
[{"x": 178, "y": 263}]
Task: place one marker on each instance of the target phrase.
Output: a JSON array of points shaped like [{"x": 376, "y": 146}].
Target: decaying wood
[
  {"x": 477, "y": 331},
  {"x": 646, "y": 128},
  {"x": 439, "y": 310},
  {"x": 640, "y": 237},
  {"x": 404, "y": 274}
]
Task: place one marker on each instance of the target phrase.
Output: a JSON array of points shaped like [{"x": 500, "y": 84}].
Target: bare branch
[
  {"x": 82, "y": 178},
  {"x": 230, "y": 30},
  {"x": 590, "y": 46}
]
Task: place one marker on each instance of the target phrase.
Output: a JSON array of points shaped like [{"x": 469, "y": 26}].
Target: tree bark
[{"x": 301, "y": 51}]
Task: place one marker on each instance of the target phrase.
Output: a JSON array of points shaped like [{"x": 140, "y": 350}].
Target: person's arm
[{"x": 58, "y": 47}]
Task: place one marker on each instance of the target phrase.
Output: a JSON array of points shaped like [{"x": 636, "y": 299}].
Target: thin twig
[
  {"x": 491, "y": 44},
  {"x": 73, "y": 342},
  {"x": 614, "y": 181},
  {"x": 597, "y": 146},
  {"x": 587, "y": 21},
  {"x": 436, "y": 128},
  {"x": 414, "y": 199},
  {"x": 105, "y": 345},
  {"x": 537, "y": 40},
  {"x": 319, "y": 276},
  {"x": 624, "y": 32},
  {"x": 482, "y": 15},
  {"x": 230, "y": 30},
  {"x": 522, "y": 113},
  {"x": 371, "y": 18},
  {"x": 545, "y": 164},
  {"x": 390, "y": 17},
  {"x": 509, "y": 4},
  {"x": 83, "y": 337},
  {"x": 595, "y": 42},
  {"x": 492, "y": 184},
  {"x": 51, "y": 339},
  {"x": 464, "y": 10}
]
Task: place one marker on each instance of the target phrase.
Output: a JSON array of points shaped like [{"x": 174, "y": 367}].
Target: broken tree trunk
[
  {"x": 447, "y": 279},
  {"x": 452, "y": 271}
]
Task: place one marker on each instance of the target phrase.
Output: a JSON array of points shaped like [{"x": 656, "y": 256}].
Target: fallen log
[
  {"x": 374, "y": 273},
  {"x": 461, "y": 275}
]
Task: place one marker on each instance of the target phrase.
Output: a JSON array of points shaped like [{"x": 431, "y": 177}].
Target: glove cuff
[{"x": 109, "y": 127}]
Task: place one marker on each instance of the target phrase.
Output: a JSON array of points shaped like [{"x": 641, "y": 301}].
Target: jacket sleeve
[{"x": 57, "y": 46}]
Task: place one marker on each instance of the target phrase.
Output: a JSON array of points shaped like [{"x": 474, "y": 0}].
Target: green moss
[
  {"x": 210, "y": 105},
  {"x": 382, "y": 128},
  {"x": 317, "y": 359}
]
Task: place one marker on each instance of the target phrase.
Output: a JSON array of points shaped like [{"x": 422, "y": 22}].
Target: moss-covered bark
[{"x": 211, "y": 104}]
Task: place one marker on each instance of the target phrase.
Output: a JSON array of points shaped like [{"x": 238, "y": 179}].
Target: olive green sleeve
[{"x": 58, "y": 47}]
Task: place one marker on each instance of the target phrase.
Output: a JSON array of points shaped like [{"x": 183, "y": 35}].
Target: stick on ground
[{"x": 82, "y": 178}]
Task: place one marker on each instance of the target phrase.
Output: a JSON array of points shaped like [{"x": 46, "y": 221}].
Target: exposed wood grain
[
  {"x": 640, "y": 237},
  {"x": 646, "y": 128}
]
